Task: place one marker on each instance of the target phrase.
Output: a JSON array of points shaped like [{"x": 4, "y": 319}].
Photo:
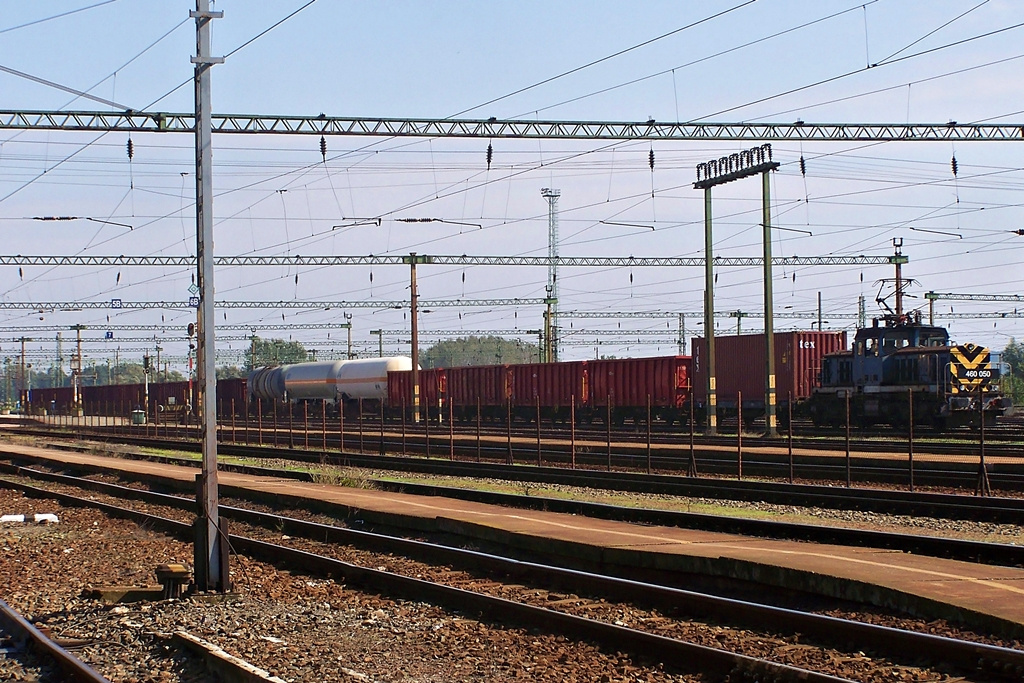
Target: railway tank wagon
[
  {"x": 902, "y": 360},
  {"x": 339, "y": 383}
]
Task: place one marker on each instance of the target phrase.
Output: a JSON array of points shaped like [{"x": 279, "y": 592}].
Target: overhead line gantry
[{"x": 164, "y": 122}]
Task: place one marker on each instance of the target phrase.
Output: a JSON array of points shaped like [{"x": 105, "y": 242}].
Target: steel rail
[
  {"x": 895, "y": 502},
  {"x": 757, "y": 616},
  {"x": 26, "y": 636},
  {"x": 639, "y": 644}
]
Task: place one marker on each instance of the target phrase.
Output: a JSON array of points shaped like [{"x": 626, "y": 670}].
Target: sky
[{"x": 758, "y": 61}]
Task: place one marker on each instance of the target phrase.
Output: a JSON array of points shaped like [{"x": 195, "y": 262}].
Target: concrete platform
[{"x": 984, "y": 596}]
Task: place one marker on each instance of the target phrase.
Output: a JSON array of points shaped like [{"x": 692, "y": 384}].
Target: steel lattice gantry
[
  {"x": 932, "y": 297},
  {"x": 160, "y": 122},
  {"x": 117, "y": 304},
  {"x": 371, "y": 260}
]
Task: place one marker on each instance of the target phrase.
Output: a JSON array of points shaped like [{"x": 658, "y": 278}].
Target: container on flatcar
[
  {"x": 740, "y": 362},
  {"x": 628, "y": 382},
  {"x": 555, "y": 385},
  {"x": 488, "y": 386}
]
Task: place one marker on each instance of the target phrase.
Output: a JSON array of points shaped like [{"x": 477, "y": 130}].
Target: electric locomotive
[{"x": 903, "y": 370}]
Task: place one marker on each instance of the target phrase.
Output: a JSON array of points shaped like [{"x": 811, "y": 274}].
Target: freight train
[
  {"x": 889, "y": 366},
  {"x": 902, "y": 370}
]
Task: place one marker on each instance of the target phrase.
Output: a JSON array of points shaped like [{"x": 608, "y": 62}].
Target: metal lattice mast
[{"x": 552, "y": 196}]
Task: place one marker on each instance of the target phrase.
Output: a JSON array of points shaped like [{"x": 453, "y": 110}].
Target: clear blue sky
[{"x": 428, "y": 59}]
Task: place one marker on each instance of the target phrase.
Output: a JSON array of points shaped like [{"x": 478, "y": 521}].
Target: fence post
[
  {"x": 259, "y": 421},
  {"x": 848, "y": 474},
  {"x": 572, "y": 429},
  {"x": 910, "y": 434},
  {"x": 403, "y": 427},
  {"x": 426, "y": 427},
  {"x": 984, "y": 486},
  {"x": 275, "y": 423},
  {"x": 508, "y": 431},
  {"x": 341, "y": 426},
  {"x": 291, "y": 425},
  {"x": 648, "y": 433},
  {"x": 305, "y": 425},
  {"x": 323, "y": 427},
  {"x": 451, "y": 432},
  {"x": 234, "y": 434},
  {"x": 739, "y": 434},
  {"x": 360, "y": 408},
  {"x": 608, "y": 429},
  {"x": 539, "y": 457},
  {"x": 383, "y": 450},
  {"x": 692, "y": 469},
  {"x": 478, "y": 428},
  {"x": 789, "y": 439}
]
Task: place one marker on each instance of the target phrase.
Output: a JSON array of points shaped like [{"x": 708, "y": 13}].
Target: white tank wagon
[
  {"x": 311, "y": 381},
  {"x": 367, "y": 378},
  {"x": 332, "y": 381},
  {"x": 266, "y": 383}
]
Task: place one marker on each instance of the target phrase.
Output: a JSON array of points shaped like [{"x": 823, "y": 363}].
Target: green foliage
[
  {"x": 1013, "y": 384},
  {"x": 231, "y": 371},
  {"x": 275, "y": 352},
  {"x": 488, "y": 350}
]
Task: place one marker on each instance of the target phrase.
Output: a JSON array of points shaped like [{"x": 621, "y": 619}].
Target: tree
[
  {"x": 488, "y": 350},
  {"x": 275, "y": 352},
  {"x": 230, "y": 371},
  {"x": 1013, "y": 355}
]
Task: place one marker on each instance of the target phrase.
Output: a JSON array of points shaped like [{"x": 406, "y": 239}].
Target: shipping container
[
  {"x": 740, "y": 366},
  {"x": 628, "y": 382}
]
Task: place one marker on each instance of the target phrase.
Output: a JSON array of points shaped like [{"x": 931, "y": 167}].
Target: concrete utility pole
[
  {"x": 210, "y": 552},
  {"x": 348, "y": 323},
  {"x": 552, "y": 196},
  {"x": 412, "y": 260}
]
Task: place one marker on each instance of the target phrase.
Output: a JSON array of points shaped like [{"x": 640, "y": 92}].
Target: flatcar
[
  {"x": 899, "y": 365},
  {"x": 739, "y": 370}
]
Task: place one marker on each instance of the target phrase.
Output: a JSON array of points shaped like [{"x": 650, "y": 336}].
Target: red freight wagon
[
  {"x": 488, "y": 386},
  {"x": 433, "y": 389},
  {"x": 54, "y": 400},
  {"x": 556, "y": 385},
  {"x": 740, "y": 360},
  {"x": 628, "y": 382}
]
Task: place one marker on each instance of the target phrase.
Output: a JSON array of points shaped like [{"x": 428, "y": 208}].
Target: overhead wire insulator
[
  {"x": 490, "y": 155},
  {"x": 803, "y": 167},
  {"x": 650, "y": 159},
  {"x": 953, "y": 166},
  {"x": 323, "y": 148},
  {"x": 130, "y": 147}
]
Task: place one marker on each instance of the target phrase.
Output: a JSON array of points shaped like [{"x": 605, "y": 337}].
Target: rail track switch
[{"x": 173, "y": 578}]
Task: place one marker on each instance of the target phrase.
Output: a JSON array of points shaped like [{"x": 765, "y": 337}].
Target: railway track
[
  {"x": 663, "y": 481},
  {"x": 49, "y": 660},
  {"x": 752, "y": 458},
  {"x": 630, "y": 616}
]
